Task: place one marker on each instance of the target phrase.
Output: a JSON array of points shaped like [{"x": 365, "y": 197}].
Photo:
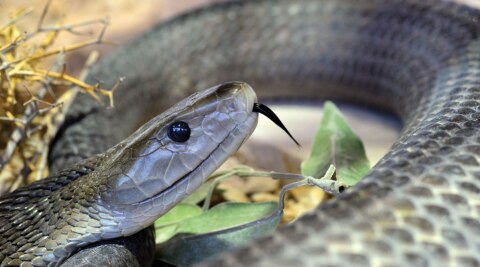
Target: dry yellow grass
[{"x": 31, "y": 91}]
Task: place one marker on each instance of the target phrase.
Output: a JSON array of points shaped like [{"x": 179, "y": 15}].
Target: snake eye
[{"x": 179, "y": 131}]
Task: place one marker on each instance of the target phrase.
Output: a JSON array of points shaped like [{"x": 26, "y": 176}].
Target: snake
[{"x": 116, "y": 171}]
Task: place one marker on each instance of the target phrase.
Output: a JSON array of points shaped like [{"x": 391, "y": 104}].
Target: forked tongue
[{"x": 262, "y": 109}]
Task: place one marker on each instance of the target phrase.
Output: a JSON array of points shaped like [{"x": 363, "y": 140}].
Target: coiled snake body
[{"x": 419, "y": 206}]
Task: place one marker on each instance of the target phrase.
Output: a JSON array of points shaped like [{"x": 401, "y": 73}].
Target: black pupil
[{"x": 179, "y": 131}]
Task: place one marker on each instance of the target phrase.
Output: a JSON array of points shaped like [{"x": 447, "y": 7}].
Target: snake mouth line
[
  {"x": 258, "y": 108},
  {"x": 188, "y": 175}
]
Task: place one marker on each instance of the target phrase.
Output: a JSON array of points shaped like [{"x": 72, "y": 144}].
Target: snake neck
[{"x": 48, "y": 203}]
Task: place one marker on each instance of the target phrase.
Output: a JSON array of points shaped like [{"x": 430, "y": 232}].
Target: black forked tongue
[{"x": 262, "y": 109}]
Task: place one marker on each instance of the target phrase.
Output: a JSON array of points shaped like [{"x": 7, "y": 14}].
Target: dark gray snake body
[{"x": 419, "y": 206}]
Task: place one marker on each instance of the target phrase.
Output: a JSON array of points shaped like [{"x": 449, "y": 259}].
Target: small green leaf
[
  {"x": 225, "y": 226},
  {"x": 335, "y": 143},
  {"x": 177, "y": 214},
  {"x": 226, "y": 215},
  {"x": 167, "y": 225},
  {"x": 165, "y": 233}
]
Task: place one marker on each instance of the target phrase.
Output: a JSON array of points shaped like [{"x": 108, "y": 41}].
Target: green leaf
[
  {"x": 226, "y": 215},
  {"x": 225, "y": 226},
  {"x": 335, "y": 143},
  {"x": 167, "y": 225},
  {"x": 177, "y": 214}
]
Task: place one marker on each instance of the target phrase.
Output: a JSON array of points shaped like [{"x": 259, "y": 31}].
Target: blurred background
[{"x": 129, "y": 19}]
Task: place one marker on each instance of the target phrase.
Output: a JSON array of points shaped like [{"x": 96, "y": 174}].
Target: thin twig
[
  {"x": 44, "y": 14},
  {"x": 31, "y": 111},
  {"x": 285, "y": 189},
  {"x": 57, "y": 119},
  {"x": 19, "y": 16},
  {"x": 12, "y": 120},
  {"x": 70, "y": 48},
  {"x": 15, "y": 71},
  {"x": 71, "y": 27},
  {"x": 325, "y": 183}
]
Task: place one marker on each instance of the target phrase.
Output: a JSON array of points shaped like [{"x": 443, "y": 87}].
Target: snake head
[{"x": 174, "y": 153}]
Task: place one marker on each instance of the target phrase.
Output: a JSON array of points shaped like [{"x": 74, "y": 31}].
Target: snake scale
[{"x": 420, "y": 60}]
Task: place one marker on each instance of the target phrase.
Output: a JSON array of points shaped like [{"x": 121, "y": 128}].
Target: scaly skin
[
  {"x": 125, "y": 189},
  {"x": 419, "y": 206}
]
